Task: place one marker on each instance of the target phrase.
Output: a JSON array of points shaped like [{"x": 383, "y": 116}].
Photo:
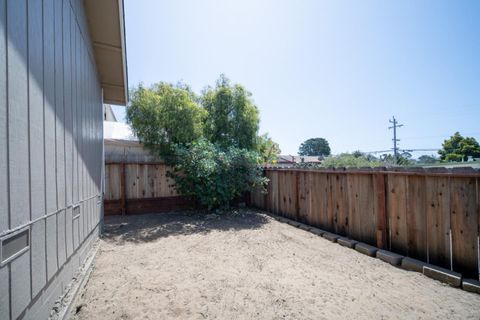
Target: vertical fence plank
[
  {"x": 362, "y": 220},
  {"x": 340, "y": 204},
  {"x": 302, "y": 196},
  {"x": 397, "y": 209},
  {"x": 320, "y": 203},
  {"x": 416, "y": 218},
  {"x": 464, "y": 228},
  {"x": 381, "y": 211},
  {"x": 438, "y": 220}
]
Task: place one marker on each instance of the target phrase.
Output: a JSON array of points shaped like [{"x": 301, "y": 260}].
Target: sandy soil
[{"x": 249, "y": 266}]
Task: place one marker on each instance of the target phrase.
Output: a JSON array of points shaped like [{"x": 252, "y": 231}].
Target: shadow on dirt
[{"x": 149, "y": 227}]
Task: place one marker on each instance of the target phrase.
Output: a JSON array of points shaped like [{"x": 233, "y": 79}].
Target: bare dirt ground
[{"x": 245, "y": 265}]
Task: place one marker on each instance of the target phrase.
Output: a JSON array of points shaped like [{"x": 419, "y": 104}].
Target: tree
[
  {"x": 314, "y": 147},
  {"x": 268, "y": 149},
  {"x": 165, "y": 115},
  {"x": 232, "y": 119},
  {"x": 426, "y": 159},
  {"x": 459, "y": 148},
  {"x": 215, "y": 176}
]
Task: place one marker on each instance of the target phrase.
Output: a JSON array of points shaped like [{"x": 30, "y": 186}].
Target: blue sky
[{"x": 332, "y": 69}]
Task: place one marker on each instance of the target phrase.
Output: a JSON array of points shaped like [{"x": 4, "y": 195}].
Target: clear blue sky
[{"x": 332, "y": 69}]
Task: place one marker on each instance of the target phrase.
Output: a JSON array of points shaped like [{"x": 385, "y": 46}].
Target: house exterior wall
[{"x": 51, "y": 141}]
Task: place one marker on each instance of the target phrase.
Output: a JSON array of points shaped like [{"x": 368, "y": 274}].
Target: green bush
[
  {"x": 215, "y": 176},
  {"x": 350, "y": 160}
]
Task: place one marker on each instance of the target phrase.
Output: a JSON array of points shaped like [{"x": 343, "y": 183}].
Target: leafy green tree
[
  {"x": 459, "y": 148},
  {"x": 232, "y": 119},
  {"x": 427, "y": 159},
  {"x": 216, "y": 176},
  {"x": 314, "y": 147},
  {"x": 268, "y": 149},
  {"x": 165, "y": 115}
]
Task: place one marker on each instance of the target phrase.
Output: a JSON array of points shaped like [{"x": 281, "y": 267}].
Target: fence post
[
  {"x": 380, "y": 209},
  {"x": 297, "y": 197},
  {"x": 123, "y": 189}
]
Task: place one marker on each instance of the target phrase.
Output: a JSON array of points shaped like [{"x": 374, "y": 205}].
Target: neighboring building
[
  {"x": 288, "y": 160},
  {"x": 60, "y": 60},
  {"x": 121, "y": 145},
  {"x": 108, "y": 114}
]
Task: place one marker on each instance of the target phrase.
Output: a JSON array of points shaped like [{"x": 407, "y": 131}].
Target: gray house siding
[{"x": 51, "y": 141}]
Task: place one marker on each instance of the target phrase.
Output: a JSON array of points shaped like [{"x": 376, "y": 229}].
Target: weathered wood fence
[
  {"x": 133, "y": 188},
  {"x": 431, "y": 215}
]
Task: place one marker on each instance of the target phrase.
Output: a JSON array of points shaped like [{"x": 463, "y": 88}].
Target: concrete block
[
  {"x": 366, "y": 249},
  {"x": 318, "y": 232},
  {"x": 471, "y": 285},
  {"x": 39, "y": 277},
  {"x": 331, "y": 236},
  {"x": 444, "y": 275},
  {"x": 304, "y": 226},
  {"x": 62, "y": 254},
  {"x": 346, "y": 242},
  {"x": 293, "y": 223},
  {"x": 20, "y": 283},
  {"x": 389, "y": 257},
  {"x": 5, "y": 293},
  {"x": 51, "y": 246},
  {"x": 411, "y": 264}
]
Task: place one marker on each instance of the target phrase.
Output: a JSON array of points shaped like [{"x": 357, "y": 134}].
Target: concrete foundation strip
[
  {"x": 441, "y": 274},
  {"x": 68, "y": 299}
]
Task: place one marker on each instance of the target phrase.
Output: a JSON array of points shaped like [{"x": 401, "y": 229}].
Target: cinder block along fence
[
  {"x": 135, "y": 188},
  {"x": 427, "y": 214}
]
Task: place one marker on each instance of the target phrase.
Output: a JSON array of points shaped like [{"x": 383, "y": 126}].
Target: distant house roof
[
  {"x": 108, "y": 114},
  {"x": 118, "y": 131},
  {"x": 107, "y": 32}
]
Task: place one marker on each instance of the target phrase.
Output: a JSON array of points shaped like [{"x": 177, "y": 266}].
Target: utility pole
[{"x": 395, "y": 140}]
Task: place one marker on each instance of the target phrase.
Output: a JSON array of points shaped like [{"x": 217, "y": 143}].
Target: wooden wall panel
[
  {"x": 438, "y": 220},
  {"x": 68, "y": 124},
  {"x": 59, "y": 105},
  {"x": 49, "y": 105},
  {"x": 464, "y": 219},
  {"x": 35, "y": 84},
  {"x": 4, "y": 214},
  {"x": 17, "y": 80}
]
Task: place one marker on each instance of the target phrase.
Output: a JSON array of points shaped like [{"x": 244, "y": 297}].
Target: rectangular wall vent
[
  {"x": 14, "y": 245},
  {"x": 76, "y": 212}
]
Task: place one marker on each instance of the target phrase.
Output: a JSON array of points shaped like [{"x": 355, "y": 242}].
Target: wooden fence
[
  {"x": 431, "y": 215},
  {"x": 133, "y": 188}
]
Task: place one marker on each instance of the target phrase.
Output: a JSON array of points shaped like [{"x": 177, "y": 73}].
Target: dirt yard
[{"x": 245, "y": 265}]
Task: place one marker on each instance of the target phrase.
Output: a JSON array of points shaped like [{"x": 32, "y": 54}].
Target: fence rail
[
  {"x": 132, "y": 188},
  {"x": 429, "y": 214}
]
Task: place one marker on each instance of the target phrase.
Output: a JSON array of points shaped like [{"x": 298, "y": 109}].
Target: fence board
[
  {"x": 464, "y": 217},
  {"x": 340, "y": 204},
  {"x": 361, "y": 202},
  {"x": 397, "y": 208},
  {"x": 416, "y": 218},
  {"x": 438, "y": 220}
]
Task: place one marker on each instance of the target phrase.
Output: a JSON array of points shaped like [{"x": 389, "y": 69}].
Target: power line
[{"x": 395, "y": 140}]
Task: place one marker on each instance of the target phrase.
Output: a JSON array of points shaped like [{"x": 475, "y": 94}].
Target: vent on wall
[
  {"x": 14, "y": 245},
  {"x": 76, "y": 212}
]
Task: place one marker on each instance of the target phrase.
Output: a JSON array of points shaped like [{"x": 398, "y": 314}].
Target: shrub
[
  {"x": 216, "y": 176},
  {"x": 350, "y": 160}
]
